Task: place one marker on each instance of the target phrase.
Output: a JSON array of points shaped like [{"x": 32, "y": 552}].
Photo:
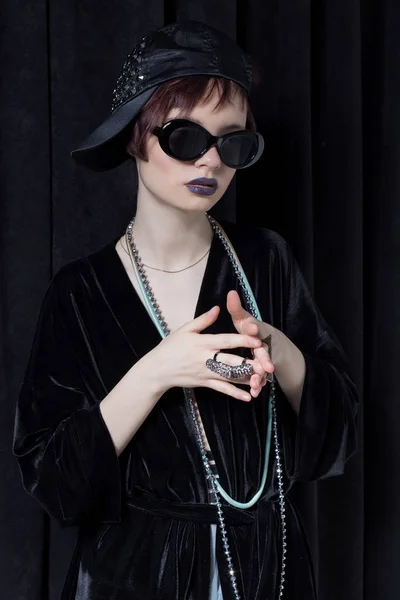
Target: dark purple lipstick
[{"x": 203, "y": 185}]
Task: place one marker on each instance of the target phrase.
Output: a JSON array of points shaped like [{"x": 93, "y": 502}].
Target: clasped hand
[{"x": 181, "y": 356}]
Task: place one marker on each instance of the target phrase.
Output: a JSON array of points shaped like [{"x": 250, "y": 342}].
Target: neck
[{"x": 168, "y": 237}]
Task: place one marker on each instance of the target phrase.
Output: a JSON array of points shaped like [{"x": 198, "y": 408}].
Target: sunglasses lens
[
  {"x": 238, "y": 150},
  {"x": 187, "y": 143}
]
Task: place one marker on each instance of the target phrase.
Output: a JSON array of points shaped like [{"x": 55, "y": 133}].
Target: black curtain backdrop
[{"x": 328, "y": 107}]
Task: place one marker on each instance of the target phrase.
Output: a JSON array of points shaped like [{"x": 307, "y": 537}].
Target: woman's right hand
[{"x": 180, "y": 358}]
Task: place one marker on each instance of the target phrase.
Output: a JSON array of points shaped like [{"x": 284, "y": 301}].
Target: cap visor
[{"x": 105, "y": 147}]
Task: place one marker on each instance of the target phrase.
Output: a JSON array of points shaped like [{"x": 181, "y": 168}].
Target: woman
[{"x": 176, "y": 492}]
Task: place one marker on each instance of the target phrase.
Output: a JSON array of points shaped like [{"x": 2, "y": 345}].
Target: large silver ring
[{"x": 243, "y": 370}]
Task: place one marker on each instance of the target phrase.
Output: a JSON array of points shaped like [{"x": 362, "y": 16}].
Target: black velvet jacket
[{"x": 143, "y": 516}]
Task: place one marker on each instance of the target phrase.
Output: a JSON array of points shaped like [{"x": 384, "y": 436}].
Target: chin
[{"x": 200, "y": 204}]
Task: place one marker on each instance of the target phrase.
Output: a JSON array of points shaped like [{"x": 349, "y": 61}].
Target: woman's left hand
[{"x": 245, "y": 323}]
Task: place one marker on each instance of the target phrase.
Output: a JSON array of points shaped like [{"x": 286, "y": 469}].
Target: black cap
[{"x": 176, "y": 50}]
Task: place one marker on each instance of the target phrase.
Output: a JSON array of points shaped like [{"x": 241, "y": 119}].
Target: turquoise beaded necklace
[{"x": 162, "y": 327}]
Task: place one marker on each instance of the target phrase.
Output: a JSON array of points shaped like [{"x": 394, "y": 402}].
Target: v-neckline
[
  {"x": 132, "y": 316},
  {"x": 203, "y": 298}
]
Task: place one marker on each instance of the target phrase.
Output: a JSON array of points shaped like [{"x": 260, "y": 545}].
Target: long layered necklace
[{"x": 211, "y": 472}]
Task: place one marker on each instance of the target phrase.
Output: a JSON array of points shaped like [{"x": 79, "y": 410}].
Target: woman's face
[{"x": 164, "y": 177}]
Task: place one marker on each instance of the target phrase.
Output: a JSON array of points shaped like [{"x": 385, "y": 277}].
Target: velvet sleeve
[
  {"x": 65, "y": 453},
  {"x": 323, "y": 436}
]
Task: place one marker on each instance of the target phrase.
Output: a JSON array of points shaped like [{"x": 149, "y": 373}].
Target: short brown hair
[{"x": 183, "y": 93}]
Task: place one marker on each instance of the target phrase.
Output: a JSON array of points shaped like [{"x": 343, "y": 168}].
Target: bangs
[{"x": 187, "y": 92}]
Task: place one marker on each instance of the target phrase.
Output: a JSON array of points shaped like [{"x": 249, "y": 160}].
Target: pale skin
[{"x": 172, "y": 231}]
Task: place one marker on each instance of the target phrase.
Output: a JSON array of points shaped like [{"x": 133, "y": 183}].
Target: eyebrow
[{"x": 226, "y": 129}]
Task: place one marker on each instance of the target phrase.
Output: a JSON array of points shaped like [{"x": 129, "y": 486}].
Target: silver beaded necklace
[{"x": 207, "y": 459}]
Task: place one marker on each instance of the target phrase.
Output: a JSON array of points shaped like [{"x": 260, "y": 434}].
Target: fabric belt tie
[{"x": 202, "y": 513}]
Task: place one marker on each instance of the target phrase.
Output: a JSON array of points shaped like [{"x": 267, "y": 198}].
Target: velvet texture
[{"x": 142, "y": 517}]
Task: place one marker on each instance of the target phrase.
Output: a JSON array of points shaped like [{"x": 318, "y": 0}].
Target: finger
[
  {"x": 220, "y": 341},
  {"x": 257, "y": 388},
  {"x": 255, "y": 381},
  {"x": 250, "y": 328},
  {"x": 255, "y": 393},
  {"x": 229, "y": 389},
  {"x": 234, "y": 361},
  {"x": 257, "y": 366},
  {"x": 262, "y": 355},
  {"x": 262, "y": 383},
  {"x": 202, "y": 321},
  {"x": 244, "y": 380}
]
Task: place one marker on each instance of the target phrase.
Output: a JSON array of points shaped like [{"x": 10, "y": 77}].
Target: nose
[{"x": 211, "y": 159}]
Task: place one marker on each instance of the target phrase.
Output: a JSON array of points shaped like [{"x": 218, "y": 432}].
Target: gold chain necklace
[{"x": 165, "y": 270}]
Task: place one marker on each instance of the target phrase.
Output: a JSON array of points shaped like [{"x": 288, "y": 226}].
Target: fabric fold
[
  {"x": 64, "y": 450},
  {"x": 318, "y": 441}
]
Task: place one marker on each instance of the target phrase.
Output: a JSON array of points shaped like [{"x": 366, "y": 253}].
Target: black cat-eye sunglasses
[{"x": 185, "y": 140}]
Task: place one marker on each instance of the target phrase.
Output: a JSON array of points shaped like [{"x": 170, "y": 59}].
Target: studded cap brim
[{"x": 104, "y": 149}]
